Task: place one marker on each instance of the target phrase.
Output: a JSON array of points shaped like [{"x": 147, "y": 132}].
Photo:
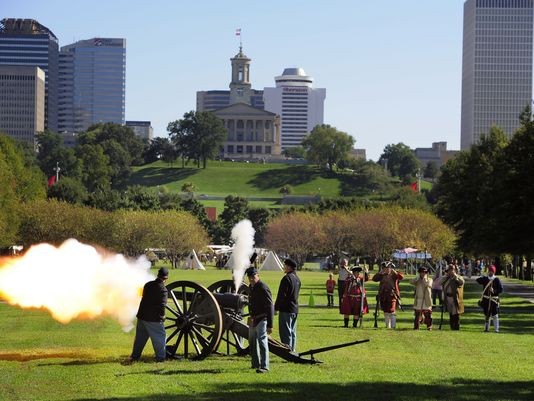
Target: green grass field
[{"x": 41, "y": 359}]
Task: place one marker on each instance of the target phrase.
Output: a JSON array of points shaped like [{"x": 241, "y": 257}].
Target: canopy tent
[
  {"x": 411, "y": 256},
  {"x": 193, "y": 263},
  {"x": 272, "y": 262}
]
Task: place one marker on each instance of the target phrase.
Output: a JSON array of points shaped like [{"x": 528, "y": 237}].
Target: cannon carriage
[{"x": 200, "y": 320}]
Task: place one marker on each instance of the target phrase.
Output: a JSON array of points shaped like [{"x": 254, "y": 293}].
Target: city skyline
[{"x": 392, "y": 71}]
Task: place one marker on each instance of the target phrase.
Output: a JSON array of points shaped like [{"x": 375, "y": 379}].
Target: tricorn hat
[{"x": 356, "y": 269}]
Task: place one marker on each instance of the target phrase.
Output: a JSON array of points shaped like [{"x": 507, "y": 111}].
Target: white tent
[
  {"x": 272, "y": 262},
  {"x": 193, "y": 263}
]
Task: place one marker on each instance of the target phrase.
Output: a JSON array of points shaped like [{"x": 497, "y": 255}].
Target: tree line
[{"x": 486, "y": 195}]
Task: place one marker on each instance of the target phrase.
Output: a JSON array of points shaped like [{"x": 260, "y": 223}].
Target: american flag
[{"x": 238, "y": 32}]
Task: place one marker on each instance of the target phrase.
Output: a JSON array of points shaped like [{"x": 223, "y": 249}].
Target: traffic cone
[{"x": 311, "y": 301}]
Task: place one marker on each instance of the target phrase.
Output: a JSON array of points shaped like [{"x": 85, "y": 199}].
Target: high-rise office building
[
  {"x": 92, "y": 83},
  {"x": 143, "y": 129},
  {"x": 496, "y": 67},
  {"x": 25, "y": 42},
  {"x": 22, "y": 101},
  {"x": 299, "y": 105}
]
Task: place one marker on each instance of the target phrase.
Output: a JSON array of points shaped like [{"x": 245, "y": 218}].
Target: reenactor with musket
[
  {"x": 354, "y": 300},
  {"x": 389, "y": 292},
  {"x": 453, "y": 295},
  {"x": 490, "y": 298},
  {"x": 422, "y": 304}
]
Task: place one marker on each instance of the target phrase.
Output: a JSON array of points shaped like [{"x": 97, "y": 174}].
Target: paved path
[{"x": 515, "y": 289}]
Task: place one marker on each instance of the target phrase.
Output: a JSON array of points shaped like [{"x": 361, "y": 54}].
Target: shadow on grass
[
  {"x": 26, "y": 357},
  {"x": 294, "y": 175},
  {"x": 263, "y": 388},
  {"x": 160, "y": 175}
]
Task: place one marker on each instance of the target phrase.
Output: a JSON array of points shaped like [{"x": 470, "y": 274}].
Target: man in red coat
[
  {"x": 353, "y": 296},
  {"x": 388, "y": 292}
]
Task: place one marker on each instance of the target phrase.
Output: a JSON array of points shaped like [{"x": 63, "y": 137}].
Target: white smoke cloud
[
  {"x": 243, "y": 236},
  {"x": 75, "y": 280}
]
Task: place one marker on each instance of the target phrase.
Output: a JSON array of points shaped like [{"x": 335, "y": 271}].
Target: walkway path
[{"x": 515, "y": 289}]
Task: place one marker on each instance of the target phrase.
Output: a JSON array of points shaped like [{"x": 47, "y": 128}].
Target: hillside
[{"x": 256, "y": 180}]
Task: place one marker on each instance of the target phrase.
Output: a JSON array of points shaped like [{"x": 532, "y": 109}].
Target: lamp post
[{"x": 57, "y": 169}]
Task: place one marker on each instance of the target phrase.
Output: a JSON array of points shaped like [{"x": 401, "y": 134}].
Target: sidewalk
[{"x": 515, "y": 289}]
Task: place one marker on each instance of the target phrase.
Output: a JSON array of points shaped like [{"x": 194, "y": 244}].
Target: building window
[
  {"x": 249, "y": 149},
  {"x": 258, "y": 149},
  {"x": 267, "y": 149},
  {"x": 230, "y": 148},
  {"x": 239, "y": 149}
]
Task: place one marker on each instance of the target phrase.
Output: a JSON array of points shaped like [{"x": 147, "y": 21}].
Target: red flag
[
  {"x": 51, "y": 180},
  {"x": 413, "y": 185}
]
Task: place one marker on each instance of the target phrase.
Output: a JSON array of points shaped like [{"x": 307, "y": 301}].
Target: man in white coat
[{"x": 422, "y": 304}]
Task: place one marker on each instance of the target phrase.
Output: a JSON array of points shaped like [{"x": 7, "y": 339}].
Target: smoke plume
[
  {"x": 75, "y": 281},
  {"x": 243, "y": 236}
]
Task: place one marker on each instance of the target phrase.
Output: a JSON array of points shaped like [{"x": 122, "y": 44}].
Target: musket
[
  {"x": 362, "y": 298},
  {"x": 331, "y": 347},
  {"x": 376, "y": 311},
  {"x": 398, "y": 298},
  {"x": 442, "y": 308}
]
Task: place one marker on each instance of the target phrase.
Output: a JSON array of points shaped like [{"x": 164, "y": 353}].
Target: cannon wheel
[
  {"x": 231, "y": 339},
  {"x": 193, "y": 323}
]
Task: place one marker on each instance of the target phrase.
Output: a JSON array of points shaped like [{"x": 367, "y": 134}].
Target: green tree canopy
[
  {"x": 400, "y": 160},
  {"x": 327, "y": 145},
  {"x": 198, "y": 136}
]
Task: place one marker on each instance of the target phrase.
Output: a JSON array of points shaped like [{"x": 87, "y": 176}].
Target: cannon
[{"x": 200, "y": 320}]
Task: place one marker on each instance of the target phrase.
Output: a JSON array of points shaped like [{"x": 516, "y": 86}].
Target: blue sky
[{"x": 391, "y": 68}]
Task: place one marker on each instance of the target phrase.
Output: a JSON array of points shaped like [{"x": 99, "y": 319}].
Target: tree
[
  {"x": 178, "y": 233},
  {"x": 52, "y": 154},
  {"x": 198, "y": 136},
  {"x": 467, "y": 193},
  {"x": 327, "y": 145},
  {"x": 400, "y": 160},
  {"x": 296, "y": 234},
  {"x": 235, "y": 210},
  {"x": 69, "y": 190},
  {"x": 156, "y": 149},
  {"x": 431, "y": 170},
  {"x": 297, "y": 152},
  {"x": 96, "y": 171},
  {"x": 119, "y": 143},
  {"x": 20, "y": 181}
]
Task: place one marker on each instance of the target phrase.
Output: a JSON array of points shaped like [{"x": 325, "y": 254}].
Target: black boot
[
  {"x": 355, "y": 323},
  {"x": 346, "y": 322}
]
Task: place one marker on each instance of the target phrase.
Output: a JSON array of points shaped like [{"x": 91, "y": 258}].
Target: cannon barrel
[{"x": 236, "y": 302}]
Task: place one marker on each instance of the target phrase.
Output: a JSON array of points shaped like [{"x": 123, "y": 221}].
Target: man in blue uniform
[
  {"x": 490, "y": 298},
  {"x": 150, "y": 318},
  {"x": 260, "y": 321},
  {"x": 287, "y": 304}
]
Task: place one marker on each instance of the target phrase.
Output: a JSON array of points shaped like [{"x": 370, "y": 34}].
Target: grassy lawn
[
  {"x": 41, "y": 359},
  {"x": 221, "y": 178}
]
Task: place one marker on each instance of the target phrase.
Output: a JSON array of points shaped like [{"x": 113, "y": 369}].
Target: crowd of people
[{"x": 444, "y": 288}]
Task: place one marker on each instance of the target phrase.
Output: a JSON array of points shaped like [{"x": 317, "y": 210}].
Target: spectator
[{"x": 287, "y": 304}]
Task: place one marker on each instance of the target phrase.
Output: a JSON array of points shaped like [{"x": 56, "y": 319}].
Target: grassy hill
[
  {"x": 259, "y": 183},
  {"x": 256, "y": 180}
]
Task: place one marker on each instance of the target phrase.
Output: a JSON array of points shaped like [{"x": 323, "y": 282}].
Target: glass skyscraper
[
  {"x": 497, "y": 66},
  {"x": 92, "y": 83},
  {"x": 25, "y": 42}
]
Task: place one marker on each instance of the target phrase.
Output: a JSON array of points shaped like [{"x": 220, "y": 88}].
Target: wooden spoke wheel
[
  {"x": 232, "y": 339},
  {"x": 193, "y": 323}
]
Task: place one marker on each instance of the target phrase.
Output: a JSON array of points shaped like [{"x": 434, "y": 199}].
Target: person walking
[
  {"x": 453, "y": 295},
  {"x": 260, "y": 320},
  {"x": 422, "y": 304},
  {"x": 330, "y": 287},
  {"x": 287, "y": 304},
  {"x": 490, "y": 298},
  {"x": 150, "y": 318},
  {"x": 342, "y": 276},
  {"x": 355, "y": 293},
  {"x": 388, "y": 292}
]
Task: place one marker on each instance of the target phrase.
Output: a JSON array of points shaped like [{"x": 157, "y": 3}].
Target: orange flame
[{"x": 75, "y": 280}]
